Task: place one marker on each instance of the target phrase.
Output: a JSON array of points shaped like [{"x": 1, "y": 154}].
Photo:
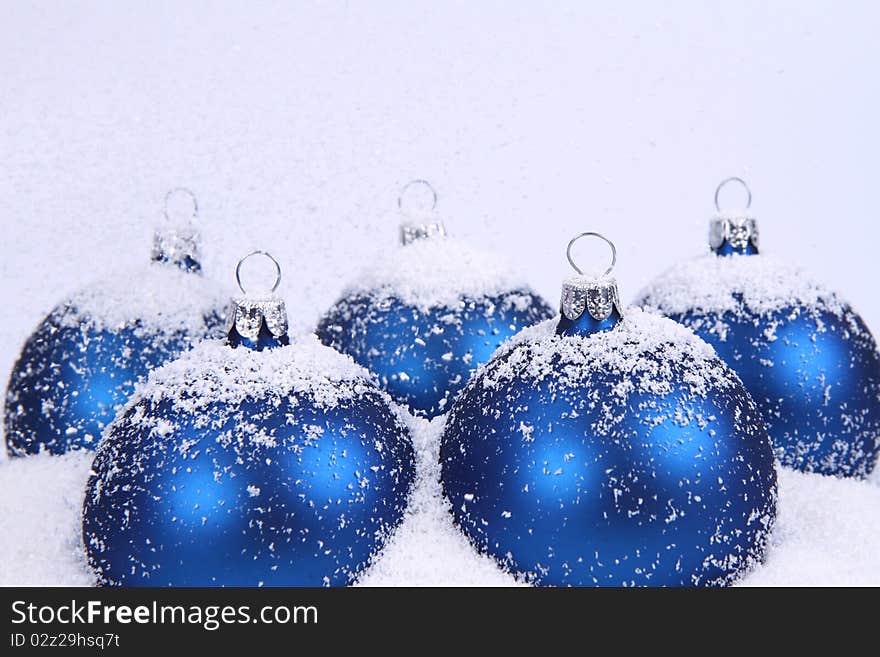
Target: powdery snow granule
[
  {"x": 41, "y": 519},
  {"x": 154, "y": 297},
  {"x": 827, "y": 533},
  {"x": 713, "y": 284},
  {"x": 427, "y": 549},
  {"x": 436, "y": 272}
]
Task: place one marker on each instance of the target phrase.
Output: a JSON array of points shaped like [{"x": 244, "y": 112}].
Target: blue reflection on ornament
[
  {"x": 577, "y": 485},
  {"x": 206, "y": 505},
  {"x": 71, "y": 378},
  {"x": 423, "y": 358},
  {"x": 185, "y": 261},
  {"x": 814, "y": 374},
  {"x": 263, "y": 340},
  {"x": 746, "y": 248},
  {"x": 586, "y": 324}
]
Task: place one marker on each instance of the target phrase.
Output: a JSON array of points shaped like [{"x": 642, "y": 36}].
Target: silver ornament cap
[
  {"x": 421, "y": 224},
  {"x": 595, "y": 295},
  {"x": 250, "y": 314},
  {"x": 176, "y": 246},
  {"x": 739, "y": 231},
  {"x": 410, "y": 232},
  {"x": 738, "y": 228}
]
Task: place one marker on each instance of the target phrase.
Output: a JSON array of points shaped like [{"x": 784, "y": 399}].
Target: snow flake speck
[
  {"x": 155, "y": 297},
  {"x": 213, "y": 372},
  {"x": 438, "y": 272},
  {"x": 632, "y": 348},
  {"x": 713, "y": 284}
]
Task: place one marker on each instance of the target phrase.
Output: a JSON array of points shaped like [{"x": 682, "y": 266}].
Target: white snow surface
[
  {"x": 41, "y": 520},
  {"x": 761, "y": 283},
  {"x": 436, "y": 272},
  {"x": 641, "y": 349},
  {"x": 827, "y": 533},
  {"x": 158, "y": 296},
  {"x": 427, "y": 549},
  {"x": 214, "y": 372}
]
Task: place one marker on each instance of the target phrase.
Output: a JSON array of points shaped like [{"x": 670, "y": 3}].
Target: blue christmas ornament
[
  {"x": 805, "y": 355},
  {"x": 248, "y": 462},
  {"x": 423, "y": 319},
  {"x": 83, "y": 360},
  {"x": 610, "y": 450}
]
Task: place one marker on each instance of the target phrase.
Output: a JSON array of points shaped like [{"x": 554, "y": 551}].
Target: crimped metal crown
[
  {"x": 249, "y": 314},
  {"x": 598, "y": 296},
  {"x": 738, "y": 230},
  {"x": 178, "y": 246},
  {"x": 410, "y": 232}
]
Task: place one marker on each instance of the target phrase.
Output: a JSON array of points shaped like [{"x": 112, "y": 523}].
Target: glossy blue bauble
[
  {"x": 424, "y": 316},
  {"x": 817, "y": 382},
  {"x": 84, "y": 359},
  {"x": 806, "y": 357},
  {"x": 235, "y": 468},
  {"x": 611, "y": 455},
  {"x": 424, "y": 357}
]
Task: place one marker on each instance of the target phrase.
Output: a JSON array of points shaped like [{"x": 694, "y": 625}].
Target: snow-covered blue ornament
[
  {"x": 84, "y": 359},
  {"x": 258, "y": 460},
  {"x": 603, "y": 449},
  {"x": 804, "y": 354},
  {"x": 423, "y": 318}
]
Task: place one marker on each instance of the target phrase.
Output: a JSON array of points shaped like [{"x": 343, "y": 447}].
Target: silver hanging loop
[
  {"x": 417, "y": 183},
  {"x": 727, "y": 181},
  {"x": 601, "y": 237},
  {"x": 177, "y": 191},
  {"x": 249, "y": 255}
]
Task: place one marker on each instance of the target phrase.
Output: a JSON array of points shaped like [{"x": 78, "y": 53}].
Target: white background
[{"x": 296, "y": 123}]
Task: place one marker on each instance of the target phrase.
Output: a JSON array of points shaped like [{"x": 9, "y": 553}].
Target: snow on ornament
[
  {"x": 805, "y": 355},
  {"x": 84, "y": 359},
  {"x": 424, "y": 316},
  {"x": 606, "y": 449},
  {"x": 258, "y": 460}
]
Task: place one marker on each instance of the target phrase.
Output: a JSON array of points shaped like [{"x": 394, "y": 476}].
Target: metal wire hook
[
  {"x": 601, "y": 237},
  {"x": 724, "y": 182},
  {"x": 413, "y": 183},
  {"x": 181, "y": 190},
  {"x": 253, "y": 253}
]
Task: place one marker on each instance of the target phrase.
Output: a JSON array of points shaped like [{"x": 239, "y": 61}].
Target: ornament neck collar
[{"x": 588, "y": 305}]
